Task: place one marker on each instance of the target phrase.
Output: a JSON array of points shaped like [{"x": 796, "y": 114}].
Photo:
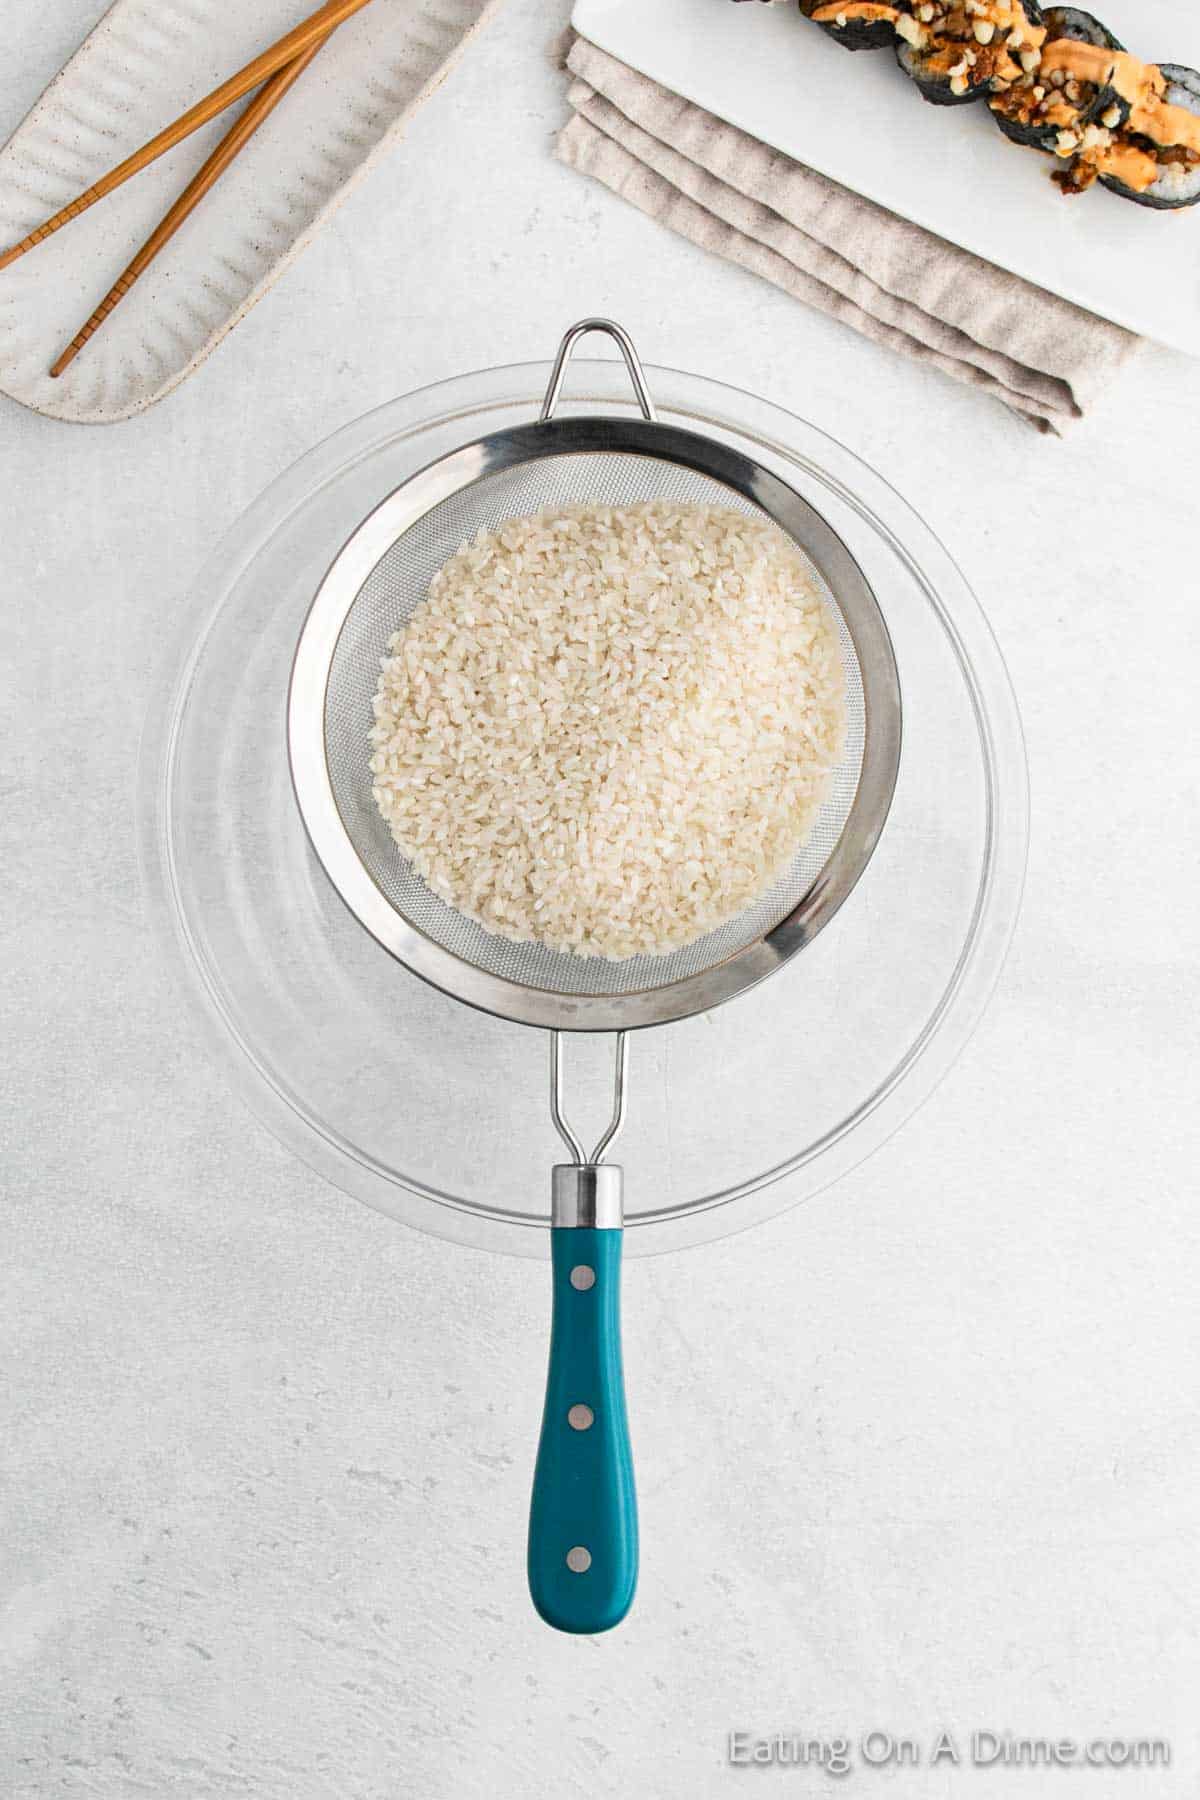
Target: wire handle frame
[
  {"x": 624, "y": 343},
  {"x": 618, "y": 1112}
]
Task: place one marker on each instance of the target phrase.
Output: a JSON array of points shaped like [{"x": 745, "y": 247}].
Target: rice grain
[{"x": 608, "y": 729}]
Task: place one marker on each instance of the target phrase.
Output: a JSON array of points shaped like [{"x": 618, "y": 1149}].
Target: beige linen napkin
[{"x": 895, "y": 282}]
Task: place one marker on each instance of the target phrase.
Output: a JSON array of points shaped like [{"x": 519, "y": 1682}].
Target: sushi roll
[
  {"x": 1053, "y": 106},
  {"x": 1083, "y": 27},
  {"x": 1096, "y": 101},
  {"x": 1142, "y": 165},
  {"x": 856, "y": 24},
  {"x": 1023, "y": 128},
  {"x": 956, "y": 51}
]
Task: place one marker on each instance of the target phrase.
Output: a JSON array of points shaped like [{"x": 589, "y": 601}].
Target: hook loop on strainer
[{"x": 624, "y": 344}]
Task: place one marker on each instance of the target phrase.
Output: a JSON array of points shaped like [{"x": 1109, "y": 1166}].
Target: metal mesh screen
[{"x": 399, "y": 582}]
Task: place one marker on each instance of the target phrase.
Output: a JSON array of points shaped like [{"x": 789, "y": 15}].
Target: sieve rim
[{"x": 450, "y": 475}]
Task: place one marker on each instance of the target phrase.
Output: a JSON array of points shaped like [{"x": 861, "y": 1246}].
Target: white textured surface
[{"x": 923, "y": 1452}]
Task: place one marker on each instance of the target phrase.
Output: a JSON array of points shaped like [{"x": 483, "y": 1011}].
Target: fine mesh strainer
[{"x": 583, "y": 1522}]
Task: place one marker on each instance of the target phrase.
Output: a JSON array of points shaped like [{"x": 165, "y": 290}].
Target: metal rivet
[
  {"x": 579, "y": 1560},
  {"x": 583, "y": 1277},
  {"x": 580, "y": 1417}
]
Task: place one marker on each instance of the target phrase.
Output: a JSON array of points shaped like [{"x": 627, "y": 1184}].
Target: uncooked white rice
[{"x": 608, "y": 729}]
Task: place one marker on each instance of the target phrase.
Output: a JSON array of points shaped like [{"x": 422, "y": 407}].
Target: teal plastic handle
[{"x": 584, "y": 1499}]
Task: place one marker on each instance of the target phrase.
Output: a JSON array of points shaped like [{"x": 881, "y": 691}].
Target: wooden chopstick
[
  {"x": 247, "y": 123},
  {"x": 312, "y": 31}
]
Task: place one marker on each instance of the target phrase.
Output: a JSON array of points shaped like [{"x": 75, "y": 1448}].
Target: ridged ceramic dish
[{"x": 145, "y": 62}]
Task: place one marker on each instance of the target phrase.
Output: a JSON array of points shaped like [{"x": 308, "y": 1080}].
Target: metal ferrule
[{"x": 586, "y": 1195}]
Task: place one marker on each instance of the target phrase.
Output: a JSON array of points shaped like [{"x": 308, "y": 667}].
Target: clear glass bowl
[{"x": 438, "y": 1114}]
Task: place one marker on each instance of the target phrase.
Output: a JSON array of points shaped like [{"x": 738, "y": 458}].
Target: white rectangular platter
[
  {"x": 855, "y": 118},
  {"x": 144, "y": 64}
]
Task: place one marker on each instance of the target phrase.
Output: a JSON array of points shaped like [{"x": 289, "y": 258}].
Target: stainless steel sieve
[{"x": 583, "y": 1521}]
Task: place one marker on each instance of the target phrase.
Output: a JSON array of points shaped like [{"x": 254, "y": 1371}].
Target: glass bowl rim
[{"x": 946, "y": 1030}]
